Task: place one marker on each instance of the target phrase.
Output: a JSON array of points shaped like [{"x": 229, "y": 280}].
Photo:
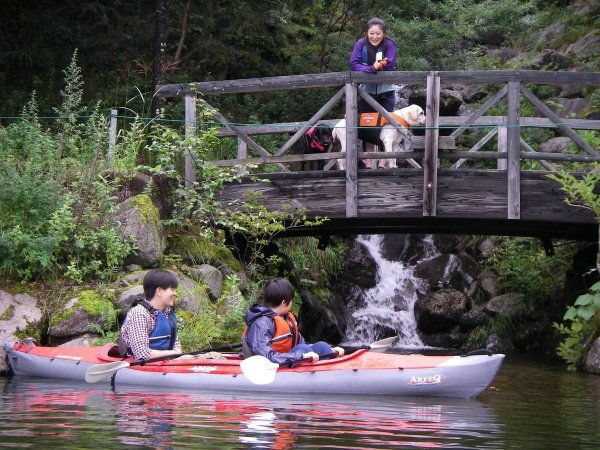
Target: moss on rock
[
  {"x": 149, "y": 212},
  {"x": 198, "y": 250},
  {"x": 92, "y": 303}
]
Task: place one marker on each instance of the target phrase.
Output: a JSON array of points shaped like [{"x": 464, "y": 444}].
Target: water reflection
[
  {"x": 529, "y": 405},
  {"x": 90, "y": 415}
]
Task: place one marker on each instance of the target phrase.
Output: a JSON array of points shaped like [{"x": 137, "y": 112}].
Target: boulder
[
  {"x": 551, "y": 60},
  {"x": 446, "y": 271},
  {"x": 210, "y": 277},
  {"x": 586, "y": 48},
  {"x": 18, "y": 313},
  {"x": 440, "y": 311},
  {"x": 592, "y": 362},
  {"x": 138, "y": 218},
  {"x": 570, "y": 107},
  {"x": 555, "y": 144},
  {"x": 508, "y": 305},
  {"x": 82, "y": 315}
]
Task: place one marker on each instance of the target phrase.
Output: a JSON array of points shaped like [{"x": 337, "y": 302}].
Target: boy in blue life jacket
[{"x": 150, "y": 328}]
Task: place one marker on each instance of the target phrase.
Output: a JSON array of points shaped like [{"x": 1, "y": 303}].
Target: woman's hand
[{"x": 339, "y": 351}]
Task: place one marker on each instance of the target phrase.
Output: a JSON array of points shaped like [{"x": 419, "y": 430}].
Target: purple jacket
[
  {"x": 355, "y": 61},
  {"x": 389, "y": 51}
]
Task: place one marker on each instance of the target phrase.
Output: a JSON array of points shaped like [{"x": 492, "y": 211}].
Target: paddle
[
  {"x": 99, "y": 372},
  {"x": 259, "y": 370}
]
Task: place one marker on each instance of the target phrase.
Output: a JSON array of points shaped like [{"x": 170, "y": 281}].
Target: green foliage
[
  {"x": 580, "y": 191},
  {"x": 54, "y": 204},
  {"x": 314, "y": 267},
  {"x": 523, "y": 267},
  {"x": 582, "y": 327}
]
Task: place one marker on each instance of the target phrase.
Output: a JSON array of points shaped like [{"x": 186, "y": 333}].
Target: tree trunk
[{"x": 160, "y": 43}]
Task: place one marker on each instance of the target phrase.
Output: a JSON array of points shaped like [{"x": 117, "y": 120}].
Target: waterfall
[{"x": 390, "y": 303}]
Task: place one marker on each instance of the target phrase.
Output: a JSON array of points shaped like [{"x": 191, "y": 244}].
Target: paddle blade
[
  {"x": 99, "y": 372},
  {"x": 382, "y": 345},
  {"x": 259, "y": 370}
]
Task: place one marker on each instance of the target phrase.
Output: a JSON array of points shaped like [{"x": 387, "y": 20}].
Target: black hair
[
  {"x": 277, "y": 290},
  {"x": 376, "y": 21},
  {"x": 158, "y": 278}
]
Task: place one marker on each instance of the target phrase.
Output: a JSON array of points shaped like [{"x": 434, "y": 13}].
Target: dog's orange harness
[{"x": 373, "y": 119}]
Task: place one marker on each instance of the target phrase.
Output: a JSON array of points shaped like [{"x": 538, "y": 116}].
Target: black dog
[{"x": 317, "y": 139}]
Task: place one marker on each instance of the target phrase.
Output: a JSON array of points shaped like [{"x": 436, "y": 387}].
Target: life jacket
[
  {"x": 314, "y": 143},
  {"x": 285, "y": 337},
  {"x": 374, "y": 119},
  {"x": 370, "y": 123},
  {"x": 286, "y": 333},
  {"x": 162, "y": 336}
]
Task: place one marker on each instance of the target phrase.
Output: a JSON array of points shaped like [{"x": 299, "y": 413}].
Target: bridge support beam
[
  {"x": 513, "y": 149},
  {"x": 432, "y": 132},
  {"x": 351, "y": 151}
]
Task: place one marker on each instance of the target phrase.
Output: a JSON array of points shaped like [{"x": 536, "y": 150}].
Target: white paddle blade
[
  {"x": 382, "y": 345},
  {"x": 259, "y": 370},
  {"x": 99, "y": 372}
]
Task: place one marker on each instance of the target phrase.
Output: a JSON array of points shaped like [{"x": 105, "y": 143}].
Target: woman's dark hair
[
  {"x": 277, "y": 290},
  {"x": 158, "y": 278},
  {"x": 375, "y": 21}
]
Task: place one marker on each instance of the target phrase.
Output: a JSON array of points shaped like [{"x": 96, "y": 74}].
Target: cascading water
[{"x": 390, "y": 303}]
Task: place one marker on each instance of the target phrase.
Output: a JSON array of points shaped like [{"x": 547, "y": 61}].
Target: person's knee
[{"x": 321, "y": 348}]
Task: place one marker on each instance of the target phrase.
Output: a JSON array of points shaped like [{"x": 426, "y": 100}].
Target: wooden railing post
[
  {"x": 112, "y": 136},
  {"x": 190, "y": 130},
  {"x": 430, "y": 159},
  {"x": 351, "y": 151},
  {"x": 242, "y": 153},
  {"x": 513, "y": 142},
  {"x": 502, "y": 137}
]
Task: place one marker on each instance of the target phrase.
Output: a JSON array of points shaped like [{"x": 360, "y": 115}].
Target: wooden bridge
[{"x": 443, "y": 196}]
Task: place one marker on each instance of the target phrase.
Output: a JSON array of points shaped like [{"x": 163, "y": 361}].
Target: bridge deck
[{"x": 468, "y": 202}]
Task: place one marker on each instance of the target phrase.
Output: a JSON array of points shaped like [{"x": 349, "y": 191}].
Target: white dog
[{"x": 391, "y": 137}]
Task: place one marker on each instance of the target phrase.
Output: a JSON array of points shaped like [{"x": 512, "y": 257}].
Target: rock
[
  {"x": 210, "y": 277},
  {"x": 440, "y": 311},
  {"x": 555, "y": 144},
  {"x": 551, "y": 60},
  {"x": 138, "y": 218},
  {"x": 80, "y": 316},
  {"x": 360, "y": 268},
  {"x": 449, "y": 271},
  {"x": 592, "y": 362},
  {"x": 450, "y": 102},
  {"x": 85, "y": 340},
  {"x": 570, "y": 107},
  {"x": 473, "y": 318},
  {"x": 451, "y": 339},
  {"x": 586, "y": 48},
  {"x": 488, "y": 281},
  {"x": 17, "y": 314},
  {"x": 508, "y": 305},
  {"x": 129, "y": 296}
]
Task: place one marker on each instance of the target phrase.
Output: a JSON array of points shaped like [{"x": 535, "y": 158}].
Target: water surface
[{"x": 529, "y": 405}]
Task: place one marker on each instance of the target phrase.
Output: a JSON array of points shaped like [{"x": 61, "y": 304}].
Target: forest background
[{"x": 64, "y": 64}]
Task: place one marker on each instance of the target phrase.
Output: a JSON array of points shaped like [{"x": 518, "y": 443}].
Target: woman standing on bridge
[{"x": 372, "y": 53}]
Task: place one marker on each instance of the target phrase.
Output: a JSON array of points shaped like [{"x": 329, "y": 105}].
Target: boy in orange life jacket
[{"x": 272, "y": 331}]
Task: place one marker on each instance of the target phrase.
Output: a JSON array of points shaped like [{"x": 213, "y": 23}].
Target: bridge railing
[{"x": 507, "y": 129}]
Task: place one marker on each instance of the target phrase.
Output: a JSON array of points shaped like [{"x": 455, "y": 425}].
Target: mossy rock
[
  {"x": 200, "y": 250},
  {"x": 84, "y": 314}
]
